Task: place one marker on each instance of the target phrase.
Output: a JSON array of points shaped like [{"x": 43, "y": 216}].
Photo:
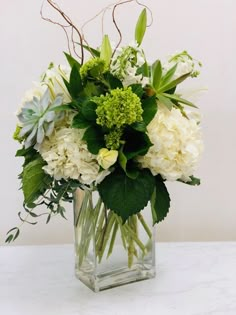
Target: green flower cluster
[
  {"x": 118, "y": 108},
  {"x": 113, "y": 139},
  {"x": 93, "y": 68}
]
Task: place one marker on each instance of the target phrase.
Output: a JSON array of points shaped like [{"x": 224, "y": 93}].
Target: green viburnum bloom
[
  {"x": 37, "y": 118},
  {"x": 112, "y": 139},
  {"x": 93, "y": 68},
  {"x": 118, "y": 108}
]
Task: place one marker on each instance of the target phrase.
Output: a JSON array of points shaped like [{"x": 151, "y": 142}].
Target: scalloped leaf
[
  {"x": 160, "y": 202},
  {"x": 126, "y": 196}
]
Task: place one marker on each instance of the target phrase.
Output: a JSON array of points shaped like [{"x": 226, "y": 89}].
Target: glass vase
[{"x": 108, "y": 252}]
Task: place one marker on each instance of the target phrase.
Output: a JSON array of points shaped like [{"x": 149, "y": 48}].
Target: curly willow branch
[
  {"x": 69, "y": 25},
  {"x": 102, "y": 12}
]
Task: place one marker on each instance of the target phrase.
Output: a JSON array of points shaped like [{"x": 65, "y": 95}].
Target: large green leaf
[
  {"x": 34, "y": 180},
  {"x": 72, "y": 61},
  {"x": 149, "y": 106},
  {"x": 160, "y": 202},
  {"x": 106, "y": 50},
  {"x": 156, "y": 74},
  {"x": 75, "y": 83},
  {"x": 137, "y": 89},
  {"x": 141, "y": 27},
  {"x": 112, "y": 81},
  {"x": 80, "y": 122},
  {"x": 89, "y": 110},
  {"x": 136, "y": 143},
  {"x": 94, "y": 138},
  {"x": 130, "y": 170},
  {"x": 126, "y": 196}
]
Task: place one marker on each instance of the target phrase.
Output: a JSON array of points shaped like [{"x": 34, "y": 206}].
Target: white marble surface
[{"x": 192, "y": 279}]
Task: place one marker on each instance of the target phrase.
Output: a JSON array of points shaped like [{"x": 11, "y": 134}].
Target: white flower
[
  {"x": 185, "y": 64},
  {"x": 107, "y": 158},
  {"x": 53, "y": 78},
  {"x": 126, "y": 62},
  {"x": 67, "y": 156},
  {"x": 177, "y": 145}
]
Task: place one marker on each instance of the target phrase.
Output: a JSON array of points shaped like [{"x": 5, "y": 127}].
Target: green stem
[
  {"x": 106, "y": 234},
  {"x": 113, "y": 237},
  {"x": 144, "y": 224}
]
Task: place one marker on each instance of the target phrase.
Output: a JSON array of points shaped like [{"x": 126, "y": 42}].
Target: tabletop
[{"x": 192, "y": 279}]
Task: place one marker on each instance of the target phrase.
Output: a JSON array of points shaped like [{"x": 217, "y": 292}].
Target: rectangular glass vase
[{"x": 108, "y": 252}]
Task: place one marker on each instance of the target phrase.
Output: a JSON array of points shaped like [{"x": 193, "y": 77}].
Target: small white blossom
[
  {"x": 126, "y": 62},
  {"x": 185, "y": 64}
]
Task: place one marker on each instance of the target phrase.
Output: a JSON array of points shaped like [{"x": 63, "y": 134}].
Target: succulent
[{"x": 37, "y": 118}]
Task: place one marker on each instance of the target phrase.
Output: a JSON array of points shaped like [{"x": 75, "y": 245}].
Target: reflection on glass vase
[{"x": 108, "y": 252}]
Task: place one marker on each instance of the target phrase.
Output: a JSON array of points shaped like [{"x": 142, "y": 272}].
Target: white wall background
[{"x": 207, "y": 29}]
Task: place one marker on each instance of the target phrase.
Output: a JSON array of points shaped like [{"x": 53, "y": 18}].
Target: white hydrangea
[
  {"x": 177, "y": 145},
  {"x": 67, "y": 156}
]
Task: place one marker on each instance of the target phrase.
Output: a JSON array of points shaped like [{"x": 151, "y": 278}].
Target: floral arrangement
[{"x": 115, "y": 124}]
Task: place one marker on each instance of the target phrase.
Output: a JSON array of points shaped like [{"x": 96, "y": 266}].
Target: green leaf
[
  {"x": 139, "y": 126},
  {"x": 160, "y": 202},
  {"x": 60, "y": 108},
  {"x": 173, "y": 83},
  {"x": 129, "y": 170},
  {"x": 136, "y": 143},
  {"x": 89, "y": 111},
  {"x": 72, "y": 61},
  {"x": 156, "y": 74},
  {"x": 112, "y": 81},
  {"x": 29, "y": 154},
  {"x": 169, "y": 75},
  {"x": 141, "y": 27},
  {"x": 80, "y": 122},
  {"x": 179, "y": 99},
  {"x": 137, "y": 89},
  {"x": 94, "y": 52},
  {"x": 75, "y": 84},
  {"x": 106, "y": 50},
  {"x": 34, "y": 181},
  {"x": 165, "y": 101},
  {"x": 144, "y": 70},
  {"x": 193, "y": 182},
  {"x": 150, "y": 107},
  {"x": 91, "y": 89},
  {"x": 94, "y": 138},
  {"x": 126, "y": 196}
]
